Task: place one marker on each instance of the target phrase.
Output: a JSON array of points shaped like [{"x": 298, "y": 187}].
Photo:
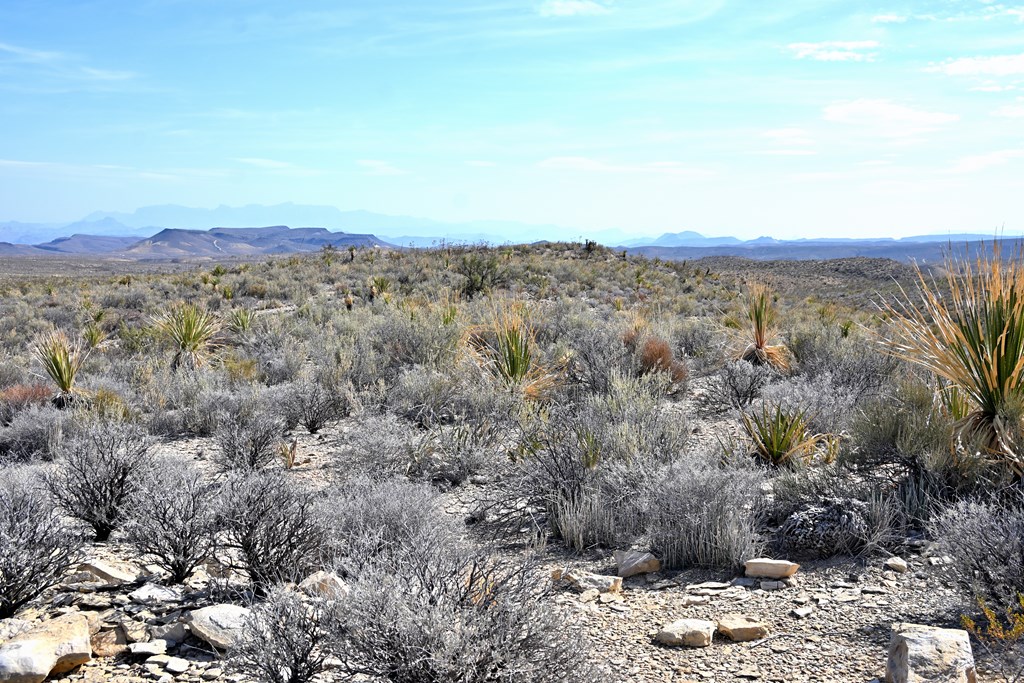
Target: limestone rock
[
  {"x": 584, "y": 581},
  {"x": 153, "y": 594},
  {"x": 763, "y": 567},
  {"x": 218, "y": 625},
  {"x": 687, "y": 633},
  {"x": 897, "y": 564},
  {"x": 108, "y": 643},
  {"x": 149, "y": 648},
  {"x": 925, "y": 654},
  {"x": 324, "y": 584},
  {"x": 177, "y": 665},
  {"x": 52, "y": 647},
  {"x": 10, "y": 628},
  {"x": 632, "y": 563},
  {"x": 739, "y": 628},
  {"x": 113, "y": 574},
  {"x": 175, "y": 632}
]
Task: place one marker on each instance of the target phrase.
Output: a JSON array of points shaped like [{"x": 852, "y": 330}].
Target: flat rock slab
[
  {"x": 740, "y": 629},
  {"x": 687, "y": 633},
  {"x": 765, "y": 568}
]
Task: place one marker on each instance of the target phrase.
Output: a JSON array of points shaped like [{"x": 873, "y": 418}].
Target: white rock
[
  {"x": 173, "y": 633},
  {"x": 920, "y": 654},
  {"x": 687, "y": 632},
  {"x": 897, "y": 564},
  {"x": 52, "y": 647},
  {"x": 740, "y": 629},
  {"x": 633, "y": 562},
  {"x": 583, "y": 581},
  {"x": 770, "y": 569},
  {"x": 218, "y": 625},
  {"x": 324, "y": 584},
  {"x": 149, "y": 648},
  {"x": 152, "y": 594},
  {"x": 177, "y": 665}
]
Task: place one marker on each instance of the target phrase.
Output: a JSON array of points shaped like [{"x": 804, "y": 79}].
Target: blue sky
[{"x": 793, "y": 118}]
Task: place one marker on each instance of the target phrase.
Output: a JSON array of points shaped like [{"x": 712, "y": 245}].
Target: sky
[{"x": 790, "y": 119}]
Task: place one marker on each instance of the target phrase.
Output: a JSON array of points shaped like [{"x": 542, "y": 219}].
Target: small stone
[
  {"x": 740, "y": 629},
  {"x": 633, "y": 563},
  {"x": 148, "y": 649},
  {"x": 897, "y": 564},
  {"x": 325, "y": 584},
  {"x": 177, "y": 665},
  {"x": 211, "y": 674},
  {"x": 152, "y": 594},
  {"x": 589, "y": 595},
  {"x": 108, "y": 643},
  {"x": 763, "y": 567},
  {"x": 582, "y": 581},
  {"x": 772, "y": 585},
  {"x": 687, "y": 632},
  {"x": 175, "y": 632},
  {"x": 113, "y": 574},
  {"x": 218, "y": 625},
  {"x": 802, "y": 612}
]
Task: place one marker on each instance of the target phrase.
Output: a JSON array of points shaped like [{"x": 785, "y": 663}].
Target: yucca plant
[
  {"x": 762, "y": 316},
  {"x": 972, "y": 338},
  {"x": 191, "y": 331},
  {"x": 240, "y": 320},
  {"x": 781, "y": 437},
  {"x": 61, "y": 360},
  {"x": 93, "y": 335},
  {"x": 506, "y": 348}
]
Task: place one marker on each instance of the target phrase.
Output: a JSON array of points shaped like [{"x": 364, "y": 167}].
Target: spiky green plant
[
  {"x": 781, "y": 437},
  {"x": 506, "y": 348},
  {"x": 240, "y": 320},
  {"x": 61, "y": 360},
  {"x": 93, "y": 335},
  {"x": 191, "y": 331},
  {"x": 972, "y": 337},
  {"x": 762, "y": 316}
]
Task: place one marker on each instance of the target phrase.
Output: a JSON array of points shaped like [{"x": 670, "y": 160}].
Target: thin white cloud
[
  {"x": 888, "y": 19},
  {"x": 836, "y": 50},
  {"x": 997, "y": 65},
  {"x": 1010, "y": 111},
  {"x": 571, "y": 8},
  {"x": 981, "y": 162},
  {"x": 380, "y": 168},
  {"x": 886, "y": 118},
  {"x": 586, "y": 164},
  {"x": 29, "y": 55},
  {"x": 107, "y": 74},
  {"x": 993, "y": 87}
]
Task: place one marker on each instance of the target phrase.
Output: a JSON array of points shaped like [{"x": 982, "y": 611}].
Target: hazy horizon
[{"x": 823, "y": 119}]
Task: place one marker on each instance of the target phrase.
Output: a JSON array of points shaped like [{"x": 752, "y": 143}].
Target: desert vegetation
[{"x": 437, "y": 429}]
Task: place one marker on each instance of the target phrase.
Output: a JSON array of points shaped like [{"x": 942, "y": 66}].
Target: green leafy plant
[
  {"x": 61, "y": 360},
  {"x": 781, "y": 437},
  {"x": 191, "y": 331},
  {"x": 507, "y": 349},
  {"x": 240, "y": 320},
  {"x": 970, "y": 334},
  {"x": 762, "y": 316}
]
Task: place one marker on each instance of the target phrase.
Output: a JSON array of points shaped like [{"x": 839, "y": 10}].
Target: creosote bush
[
  {"x": 272, "y": 530},
  {"x": 37, "y": 545},
  {"x": 99, "y": 472},
  {"x": 172, "y": 519},
  {"x": 248, "y": 436}
]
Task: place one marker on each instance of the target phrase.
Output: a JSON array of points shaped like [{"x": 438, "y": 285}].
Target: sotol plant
[
  {"x": 191, "y": 330},
  {"x": 972, "y": 337},
  {"x": 762, "y": 316}
]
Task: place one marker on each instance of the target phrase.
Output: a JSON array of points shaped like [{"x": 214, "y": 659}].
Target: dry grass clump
[
  {"x": 971, "y": 336},
  {"x": 506, "y": 347},
  {"x": 762, "y": 315}
]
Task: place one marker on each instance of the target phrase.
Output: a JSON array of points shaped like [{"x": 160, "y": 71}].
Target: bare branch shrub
[
  {"x": 737, "y": 385},
  {"x": 100, "y": 470},
  {"x": 172, "y": 519},
  {"x": 34, "y": 433},
  {"x": 247, "y": 436},
  {"x": 272, "y": 530},
  {"x": 37, "y": 546},
  {"x": 284, "y": 640}
]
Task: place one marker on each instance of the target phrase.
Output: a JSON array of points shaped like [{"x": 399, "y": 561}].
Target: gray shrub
[
  {"x": 248, "y": 436},
  {"x": 99, "y": 472},
  {"x": 37, "y": 545}
]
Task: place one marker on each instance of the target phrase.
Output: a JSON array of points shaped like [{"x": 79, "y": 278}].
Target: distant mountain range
[{"x": 172, "y": 231}]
